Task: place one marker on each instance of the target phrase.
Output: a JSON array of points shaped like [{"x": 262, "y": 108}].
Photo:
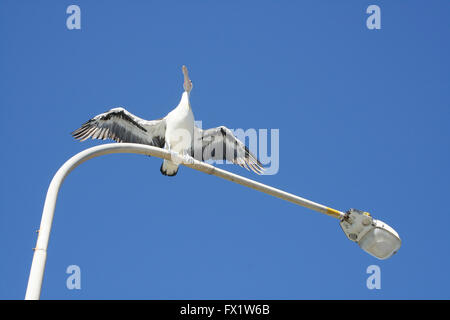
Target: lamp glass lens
[{"x": 380, "y": 243}]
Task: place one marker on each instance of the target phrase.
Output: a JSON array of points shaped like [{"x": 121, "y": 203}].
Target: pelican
[{"x": 175, "y": 132}]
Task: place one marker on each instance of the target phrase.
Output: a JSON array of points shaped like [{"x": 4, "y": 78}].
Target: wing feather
[
  {"x": 122, "y": 126},
  {"x": 221, "y": 144}
]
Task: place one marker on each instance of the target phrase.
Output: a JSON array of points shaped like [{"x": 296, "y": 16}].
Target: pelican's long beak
[{"x": 187, "y": 85}]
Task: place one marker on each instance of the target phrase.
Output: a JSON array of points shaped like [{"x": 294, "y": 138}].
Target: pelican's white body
[{"x": 179, "y": 132}]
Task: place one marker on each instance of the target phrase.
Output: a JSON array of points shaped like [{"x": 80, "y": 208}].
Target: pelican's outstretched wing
[
  {"x": 221, "y": 144},
  {"x": 120, "y": 125}
]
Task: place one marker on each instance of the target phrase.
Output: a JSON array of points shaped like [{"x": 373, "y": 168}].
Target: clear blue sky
[{"x": 363, "y": 118}]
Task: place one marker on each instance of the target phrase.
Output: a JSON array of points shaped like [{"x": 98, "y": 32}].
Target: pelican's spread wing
[
  {"x": 221, "y": 144},
  {"x": 120, "y": 125}
]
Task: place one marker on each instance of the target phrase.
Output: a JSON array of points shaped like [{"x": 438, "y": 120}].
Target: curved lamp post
[{"x": 373, "y": 236}]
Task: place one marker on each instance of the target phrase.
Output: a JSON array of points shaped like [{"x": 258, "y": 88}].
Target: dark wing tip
[{"x": 253, "y": 162}]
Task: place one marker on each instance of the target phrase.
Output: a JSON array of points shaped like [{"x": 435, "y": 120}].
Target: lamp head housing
[{"x": 373, "y": 236}]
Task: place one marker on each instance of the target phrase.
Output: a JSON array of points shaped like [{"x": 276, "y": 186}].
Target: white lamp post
[{"x": 372, "y": 235}]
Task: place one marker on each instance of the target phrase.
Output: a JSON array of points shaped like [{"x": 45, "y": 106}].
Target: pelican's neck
[{"x": 184, "y": 102}]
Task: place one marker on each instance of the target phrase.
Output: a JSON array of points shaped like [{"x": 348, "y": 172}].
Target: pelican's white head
[{"x": 187, "y": 85}]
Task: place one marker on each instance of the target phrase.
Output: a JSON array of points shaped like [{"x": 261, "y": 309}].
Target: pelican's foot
[
  {"x": 187, "y": 159},
  {"x": 181, "y": 158}
]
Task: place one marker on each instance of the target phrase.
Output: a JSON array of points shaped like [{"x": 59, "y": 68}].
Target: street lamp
[{"x": 373, "y": 236}]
